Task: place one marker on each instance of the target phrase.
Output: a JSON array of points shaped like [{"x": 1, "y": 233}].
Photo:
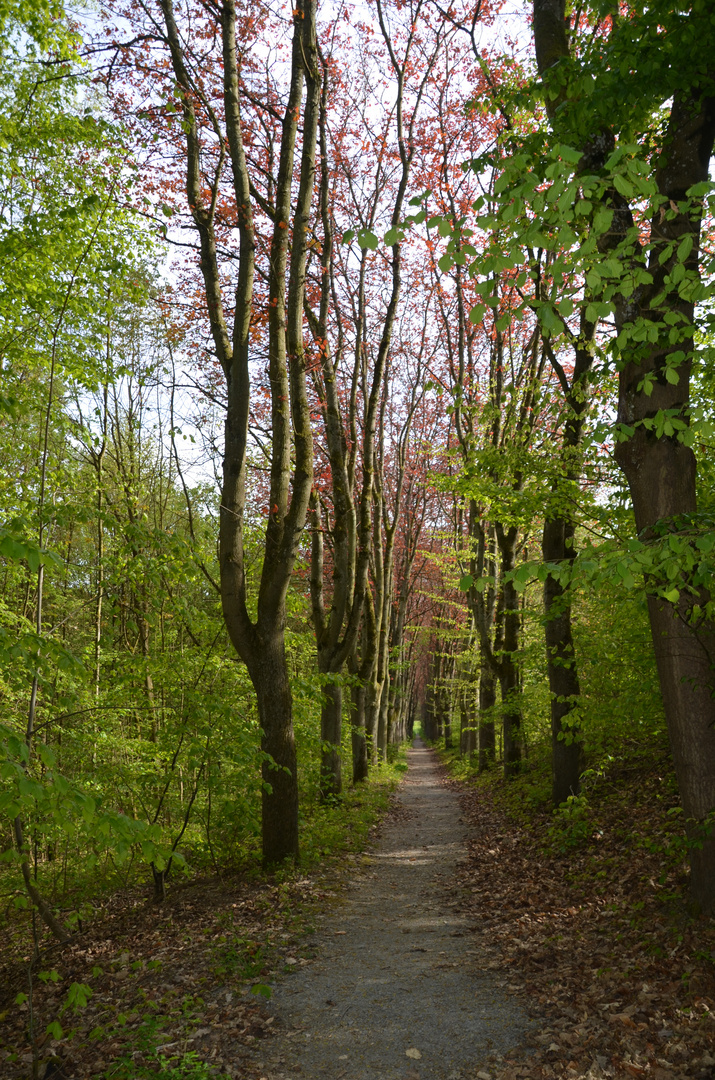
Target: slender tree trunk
[
  {"x": 566, "y": 746},
  {"x": 469, "y": 729},
  {"x": 446, "y": 695},
  {"x": 558, "y": 546},
  {"x": 509, "y": 675},
  {"x": 358, "y": 733},
  {"x": 382, "y": 725},
  {"x": 372, "y": 712},
  {"x": 487, "y": 703},
  {"x": 331, "y": 717}
]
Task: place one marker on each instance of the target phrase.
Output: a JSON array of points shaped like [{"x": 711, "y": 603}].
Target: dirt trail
[{"x": 396, "y": 991}]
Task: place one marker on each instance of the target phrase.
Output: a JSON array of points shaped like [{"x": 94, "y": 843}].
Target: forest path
[{"x": 396, "y": 991}]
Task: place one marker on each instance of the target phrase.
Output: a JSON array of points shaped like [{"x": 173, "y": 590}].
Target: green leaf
[
  {"x": 685, "y": 247},
  {"x": 602, "y": 221},
  {"x": 697, "y": 191},
  {"x": 623, "y": 186},
  {"x": 77, "y": 998},
  {"x": 570, "y": 154},
  {"x": 367, "y": 239},
  {"x": 549, "y": 320},
  {"x": 466, "y": 582}
]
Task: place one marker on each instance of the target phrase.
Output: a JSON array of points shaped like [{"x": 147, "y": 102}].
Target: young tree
[{"x": 61, "y": 238}]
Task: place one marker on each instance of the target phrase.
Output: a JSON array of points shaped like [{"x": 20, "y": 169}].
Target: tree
[
  {"x": 238, "y": 162},
  {"x": 58, "y": 247},
  {"x": 359, "y": 302},
  {"x": 670, "y": 66}
]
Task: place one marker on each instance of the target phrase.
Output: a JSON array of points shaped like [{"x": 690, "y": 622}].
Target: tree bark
[
  {"x": 487, "y": 700},
  {"x": 661, "y": 474},
  {"x": 271, "y": 679},
  {"x": 559, "y": 546},
  {"x": 566, "y": 747},
  {"x": 358, "y": 733},
  {"x": 508, "y": 670}
]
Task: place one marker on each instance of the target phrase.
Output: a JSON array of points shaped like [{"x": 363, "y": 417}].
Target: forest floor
[{"x": 580, "y": 922}]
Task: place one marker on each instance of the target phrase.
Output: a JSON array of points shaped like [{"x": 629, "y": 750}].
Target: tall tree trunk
[
  {"x": 382, "y": 726},
  {"x": 373, "y": 693},
  {"x": 661, "y": 474},
  {"x": 509, "y": 674},
  {"x": 331, "y": 725},
  {"x": 487, "y": 702},
  {"x": 566, "y": 755},
  {"x": 358, "y": 732},
  {"x": 468, "y": 742},
  {"x": 271, "y": 678},
  {"x": 260, "y": 644},
  {"x": 558, "y": 546}
]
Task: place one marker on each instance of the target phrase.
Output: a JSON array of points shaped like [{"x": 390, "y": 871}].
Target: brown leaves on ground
[
  {"x": 169, "y": 979},
  {"x": 598, "y": 939},
  {"x": 165, "y": 980}
]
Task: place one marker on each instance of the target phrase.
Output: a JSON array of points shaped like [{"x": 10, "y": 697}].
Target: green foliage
[
  {"x": 572, "y": 826},
  {"x": 181, "y": 1066},
  {"x": 333, "y": 829},
  {"x": 238, "y": 957}
]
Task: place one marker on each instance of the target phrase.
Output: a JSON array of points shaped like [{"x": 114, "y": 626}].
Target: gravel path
[{"x": 396, "y": 991}]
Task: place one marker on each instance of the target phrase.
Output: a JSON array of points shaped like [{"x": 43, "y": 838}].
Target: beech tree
[
  {"x": 653, "y": 294},
  {"x": 239, "y": 162},
  {"x": 357, "y": 310},
  {"x": 616, "y": 207}
]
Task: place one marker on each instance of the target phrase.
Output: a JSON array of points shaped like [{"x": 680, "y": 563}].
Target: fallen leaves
[
  {"x": 209, "y": 938},
  {"x": 599, "y": 942}
]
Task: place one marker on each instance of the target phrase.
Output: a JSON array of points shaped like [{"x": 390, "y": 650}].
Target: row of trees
[{"x": 416, "y": 432}]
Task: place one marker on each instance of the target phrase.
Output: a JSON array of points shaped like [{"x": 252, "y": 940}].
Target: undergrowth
[
  {"x": 230, "y": 934},
  {"x": 629, "y": 794}
]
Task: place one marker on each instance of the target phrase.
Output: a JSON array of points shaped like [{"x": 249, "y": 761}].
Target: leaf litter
[{"x": 599, "y": 939}]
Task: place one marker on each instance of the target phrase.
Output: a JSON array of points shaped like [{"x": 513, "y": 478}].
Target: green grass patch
[{"x": 343, "y": 825}]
